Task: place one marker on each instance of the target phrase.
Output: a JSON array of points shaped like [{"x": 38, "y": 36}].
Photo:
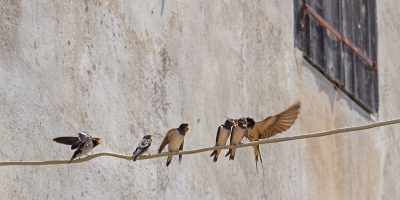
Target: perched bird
[
  {"x": 238, "y": 132},
  {"x": 174, "y": 139},
  {"x": 83, "y": 144},
  {"x": 271, "y": 126},
  {"x": 142, "y": 147},
  {"x": 222, "y": 136}
]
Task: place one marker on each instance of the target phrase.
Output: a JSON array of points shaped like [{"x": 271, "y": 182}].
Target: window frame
[{"x": 331, "y": 52}]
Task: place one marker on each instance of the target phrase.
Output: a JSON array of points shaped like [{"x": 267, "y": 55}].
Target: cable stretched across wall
[{"x": 194, "y": 151}]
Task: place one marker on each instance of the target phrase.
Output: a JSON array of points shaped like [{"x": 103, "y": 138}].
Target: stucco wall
[{"x": 120, "y": 70}]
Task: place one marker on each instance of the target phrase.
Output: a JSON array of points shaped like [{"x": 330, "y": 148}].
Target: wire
[{"x": 194, "y": 151}]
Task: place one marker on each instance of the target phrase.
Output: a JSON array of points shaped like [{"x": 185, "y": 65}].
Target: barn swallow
[
  {"x": 83, "y": 144},
  {"x": 175, "y": 139},
  {"x": 238, "y": 132},
  {"x": 142, "y": 147},
  {"x": 222, "y": 136},
  {"x": 271, "y": 126}
]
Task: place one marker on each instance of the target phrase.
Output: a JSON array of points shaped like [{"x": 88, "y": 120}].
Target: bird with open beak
[
  {"x": 143, "y": 147},
  {"x": 83, "y": 144},
  {"x": 175, "y": 139},
  {"x": 223, "y": 133},
  {"x": 271, "y": 126}
]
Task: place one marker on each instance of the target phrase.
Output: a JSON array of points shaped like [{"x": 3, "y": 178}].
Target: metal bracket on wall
[{"x": 308, "y": 9}]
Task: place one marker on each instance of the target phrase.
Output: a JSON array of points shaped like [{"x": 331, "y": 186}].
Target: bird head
[
  {"x": 184, "y": 127},
  {"x": 149, "y": 137},
  {"x": 96, "y": 141},
  {"x": 229, "y": 122},
  {"x": 250, "y": 122},
  {"x": 241, "y": 121}
]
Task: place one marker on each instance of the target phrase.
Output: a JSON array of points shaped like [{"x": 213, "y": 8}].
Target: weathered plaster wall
[{"x": 120, "y": 70}]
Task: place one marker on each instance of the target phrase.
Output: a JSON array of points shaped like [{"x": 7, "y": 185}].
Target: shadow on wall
[{"x": 334, "y": 93}]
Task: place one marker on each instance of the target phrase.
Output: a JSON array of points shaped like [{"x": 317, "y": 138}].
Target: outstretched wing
[
  {"x": 180, "y": 149},
  {"x": 166, "y": 140},
  {"x": 275, "y": 124},
  {"x": 73, "y": 141},
  {"x": 66, "y": 140}
]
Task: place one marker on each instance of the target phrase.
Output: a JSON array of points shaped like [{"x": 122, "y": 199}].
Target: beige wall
[{"x": 117, "y": 71}]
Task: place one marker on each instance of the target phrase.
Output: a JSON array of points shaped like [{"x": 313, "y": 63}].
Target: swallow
[
  {"x": 223, "y": 133},
  {"x": 83, "y": 144},
  {"x": 271, "y": 126},
  {"x": 175, "y": 139},
  {"x": 143, "y": 147},
  {"x": 238, "y": 132}
]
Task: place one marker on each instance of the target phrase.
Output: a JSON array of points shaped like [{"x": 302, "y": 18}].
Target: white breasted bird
[
  {"x": 223, "y": 133},
  {"x": 83, "y": 144},
  {"x": 238, "y": 132},
  {"x": 175, "y": 139},
  {"x": 143, "y": 147}
]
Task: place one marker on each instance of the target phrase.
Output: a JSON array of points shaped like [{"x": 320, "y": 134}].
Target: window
[{"x": 344, "y": 47}]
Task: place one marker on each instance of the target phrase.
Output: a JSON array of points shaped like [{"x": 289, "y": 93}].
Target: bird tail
[
  {"x": 134, "y": 158},
  {"x": 215, "y": 158},
  {"x": 256, "y": 154},
  {"x": 261, "y": 163},
  {"x": 229, "y": 153},
  {"x": 215, "y": 153},
  {"x": 74, "y": 155},
  {"x": 169, "y": 160},
  {"x": 232, "y": 153}
]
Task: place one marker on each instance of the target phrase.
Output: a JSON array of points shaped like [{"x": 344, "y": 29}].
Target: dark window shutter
[{"x": 356, "y": 20}]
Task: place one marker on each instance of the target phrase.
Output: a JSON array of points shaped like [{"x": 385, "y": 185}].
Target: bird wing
[
  {"x": 83, "y": 137},
  {"x": 231, "y": 140},
  {"x": 144, "y": 143},
  {"x": 77, "y": 151},
  {"x": 142, "y": 147},
  {"x": 166, "y": 140},
  {"x": 180, "y": 149},
  {"x": 273, "y": 125},
  {"x": 73, "y": 141},
  {"x": 216, "y": 140},
  {"x": 66, "y": 140}
]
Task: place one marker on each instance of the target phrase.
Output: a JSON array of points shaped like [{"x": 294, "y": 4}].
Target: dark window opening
[{"x": 354, "y": 20}]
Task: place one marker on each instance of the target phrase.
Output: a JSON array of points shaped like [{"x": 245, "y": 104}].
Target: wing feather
[
  {"x": 279, "y": 123},
  {"x": 166, "y": 140},
  {"x": 216, "y": 140},
  {"x": 142, "y": 147},
  {"x": 83, "y": 137},
  {"x": 66, "y": 140},
  {"x": 231, "y": 140},
  {"x": 180, "y": 149}
]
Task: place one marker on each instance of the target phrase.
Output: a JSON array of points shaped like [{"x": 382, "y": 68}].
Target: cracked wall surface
[{"x": 124, "y": 69}]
